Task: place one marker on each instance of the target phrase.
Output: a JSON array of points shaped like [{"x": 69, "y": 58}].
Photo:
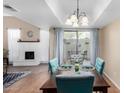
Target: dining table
[{"x": 100, "y": 83}]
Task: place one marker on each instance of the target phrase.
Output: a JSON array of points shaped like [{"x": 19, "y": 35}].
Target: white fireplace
[
  {"x": 20, "y": 49},
  {"x": 28, "y": 54}
]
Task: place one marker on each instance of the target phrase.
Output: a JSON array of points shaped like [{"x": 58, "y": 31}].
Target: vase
[{"x": 77, "y": 67}]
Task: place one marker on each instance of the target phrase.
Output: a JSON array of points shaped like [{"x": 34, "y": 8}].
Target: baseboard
[
  {"x": 43, "y": 62},
  {"x": 112, "y": 81},
  {"x": 25, "y": 64}
]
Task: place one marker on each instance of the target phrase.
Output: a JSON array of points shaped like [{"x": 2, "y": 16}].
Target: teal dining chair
[
  {"x": 74, "y": 84},
  {"x": 53, "y": 65},
  {"x": 100, "y": 63}
]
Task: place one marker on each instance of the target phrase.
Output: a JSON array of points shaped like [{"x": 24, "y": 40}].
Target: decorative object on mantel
[
  {"x": 77, "y": 18},
  {"x": 30, "y": 34},
  {"x": 19, "y": 40},
  {"x": 38, "y": 40}
]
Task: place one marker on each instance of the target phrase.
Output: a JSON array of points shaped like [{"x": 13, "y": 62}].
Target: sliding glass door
[
  {"x": 84, "y": 44},
  {"x": 76, "y": 43}
]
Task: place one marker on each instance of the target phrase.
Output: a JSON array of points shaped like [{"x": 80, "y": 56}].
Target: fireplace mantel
[{"x": 27, "y": 41}]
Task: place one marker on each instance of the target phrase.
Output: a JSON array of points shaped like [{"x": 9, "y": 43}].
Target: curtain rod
[{"x": 79, "y": 28}]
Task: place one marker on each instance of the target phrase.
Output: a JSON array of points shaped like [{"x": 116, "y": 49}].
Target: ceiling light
[
  {"x": 73, "y": 18},
  {"x": 84, "y": 19},
  {"x": 84, "y": 24},
  {"x": 75, "y": 24},
  {"x": 77, "y": 18},
  {"x": 68, "y": 22}
]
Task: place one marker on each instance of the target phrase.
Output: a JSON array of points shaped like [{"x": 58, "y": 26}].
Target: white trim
[
  {"x": 44, "y": 62},
  {"x": 112, "y": 80},
  {"x": 26, "y": 63}
]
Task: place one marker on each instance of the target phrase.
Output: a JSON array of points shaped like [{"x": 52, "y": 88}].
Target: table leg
[
  {"x": 45, "y": 91},
  {"x": 105, "y": 90},
  {"x": 50, "y": 91}
]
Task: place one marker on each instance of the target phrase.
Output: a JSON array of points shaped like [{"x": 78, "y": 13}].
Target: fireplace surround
[{"x": 28, "y": 54}]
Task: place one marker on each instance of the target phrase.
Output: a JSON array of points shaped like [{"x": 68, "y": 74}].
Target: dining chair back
[
  {"x": 74, "y": 84},
  {"x": 100, "y": 63},
  {"x": 53, "y": 65}
]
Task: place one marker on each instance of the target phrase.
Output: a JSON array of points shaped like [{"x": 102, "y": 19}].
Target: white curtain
[
  {"x": 94, "y": 45},
  {"x": 13, "y": 37},
  {"x": 59, "y": 44}
]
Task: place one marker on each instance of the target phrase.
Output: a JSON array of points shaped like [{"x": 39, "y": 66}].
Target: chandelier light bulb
[
  {"x": 78, "y": 18},
  {"x": 84, "y": 24},
  {"x": 68, "y": 22},
  {"x": 84, "y": 19},
  {"x": 75, "y": 24},
  {"x": 73, "y": 18}
]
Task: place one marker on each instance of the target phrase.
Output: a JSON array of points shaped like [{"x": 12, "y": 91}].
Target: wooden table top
[{"x": 98, "y": 83}]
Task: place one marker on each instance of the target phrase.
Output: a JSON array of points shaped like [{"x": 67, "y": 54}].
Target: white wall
[
  {"x": 13, "y": 22},
  {"x": 44, "y": 44},
  {"x": 109, "y": 42}
]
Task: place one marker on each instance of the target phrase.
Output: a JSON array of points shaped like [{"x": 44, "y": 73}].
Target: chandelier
[{"x": 77, "y": 18}]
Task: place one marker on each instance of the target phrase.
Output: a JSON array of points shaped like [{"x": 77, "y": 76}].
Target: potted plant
[{"x": 77, "y": 67}]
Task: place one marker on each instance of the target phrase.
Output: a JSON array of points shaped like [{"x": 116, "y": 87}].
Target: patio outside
[{"x": 76, "y": 46}]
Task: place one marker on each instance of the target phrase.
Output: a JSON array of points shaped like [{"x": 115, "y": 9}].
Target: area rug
[{"x": 12, "y": 77}]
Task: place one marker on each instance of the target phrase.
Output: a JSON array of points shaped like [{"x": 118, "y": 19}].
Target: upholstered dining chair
[
  {"x": 53, "y": 65},
  {"x": 74, "y": 84},
  {"x": 100, "y": 63}
]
